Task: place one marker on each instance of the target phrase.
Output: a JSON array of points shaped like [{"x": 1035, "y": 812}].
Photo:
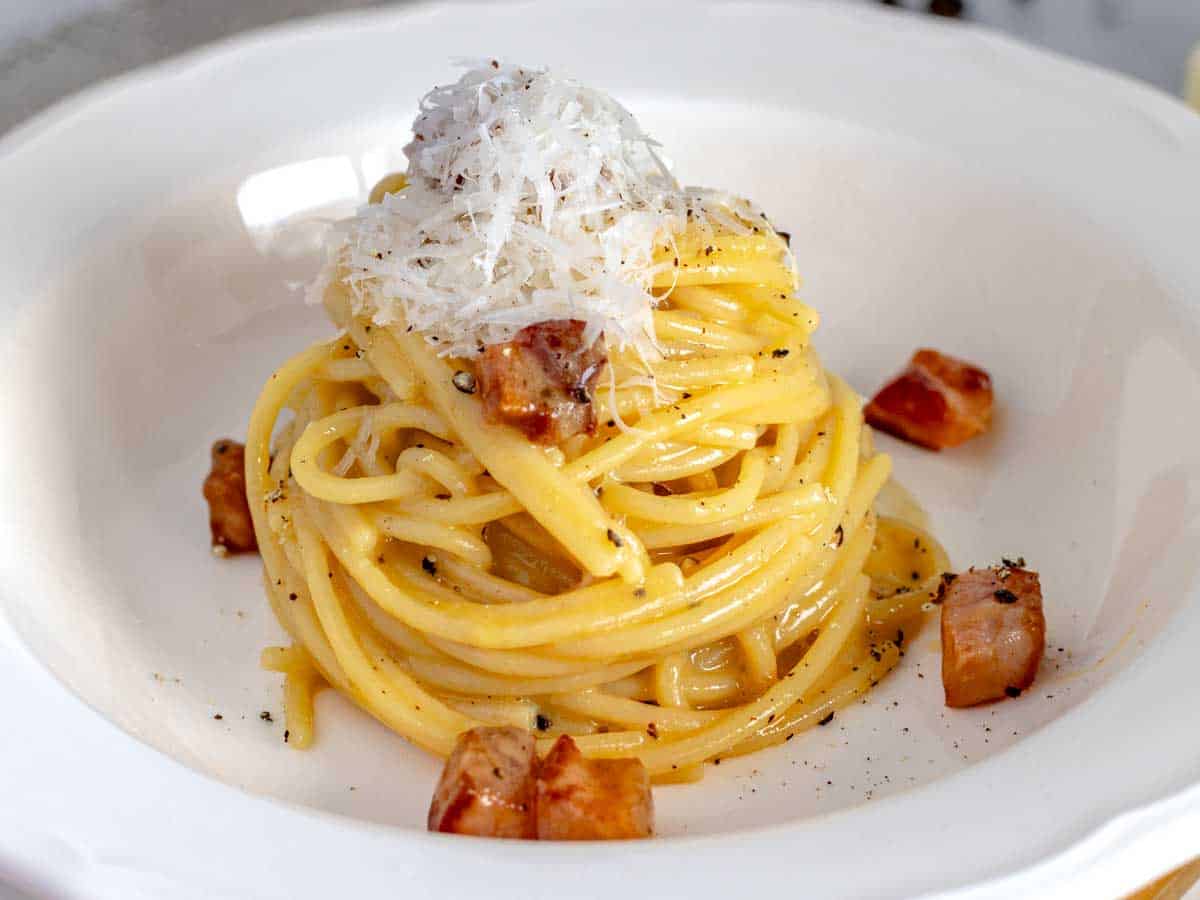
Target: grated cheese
[{"x": 530, "y": 197}]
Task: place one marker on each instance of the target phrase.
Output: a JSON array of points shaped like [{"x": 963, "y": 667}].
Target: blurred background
[{"x": 51, "y": 48}]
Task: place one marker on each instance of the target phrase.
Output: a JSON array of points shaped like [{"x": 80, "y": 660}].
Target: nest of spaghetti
[{"x": 699, "y": 573}]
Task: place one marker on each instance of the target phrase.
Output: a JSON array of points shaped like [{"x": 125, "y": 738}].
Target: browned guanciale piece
[
  {"x": 581, "y": 799},
  {"x": 938, "y": 401},
  {"x": 225, "y": 490},
  {"x": 542, "y": 380},
  {"x": 487, "y": 786},
  {"x": 993, "y": 634}
]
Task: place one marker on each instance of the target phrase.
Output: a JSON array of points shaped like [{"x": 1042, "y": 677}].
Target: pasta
[{"x": 704, "y": 575}]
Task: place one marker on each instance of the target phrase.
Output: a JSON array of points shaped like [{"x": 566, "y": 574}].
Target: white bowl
[{"x": 943, "y": 187}]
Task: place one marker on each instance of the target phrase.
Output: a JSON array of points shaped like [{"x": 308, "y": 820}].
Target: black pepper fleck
[{"x": 947, "y": 580}]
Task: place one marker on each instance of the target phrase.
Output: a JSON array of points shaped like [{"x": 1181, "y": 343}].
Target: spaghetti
[{"x": 704, "y": 575}]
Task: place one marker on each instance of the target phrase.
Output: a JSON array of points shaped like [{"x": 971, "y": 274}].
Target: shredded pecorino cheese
[{"x": 530, "y": 197}]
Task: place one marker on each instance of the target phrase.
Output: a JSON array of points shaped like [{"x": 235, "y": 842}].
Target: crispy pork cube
[
  {"x": 993, "y": 634},
  {"x": 225, "y": 490},
  {"x": 487, "y": 787},
  {"x": 937, "y": 402},
  {"x": 542, "y": 381},
  {"x": 580, "y": 799}
]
